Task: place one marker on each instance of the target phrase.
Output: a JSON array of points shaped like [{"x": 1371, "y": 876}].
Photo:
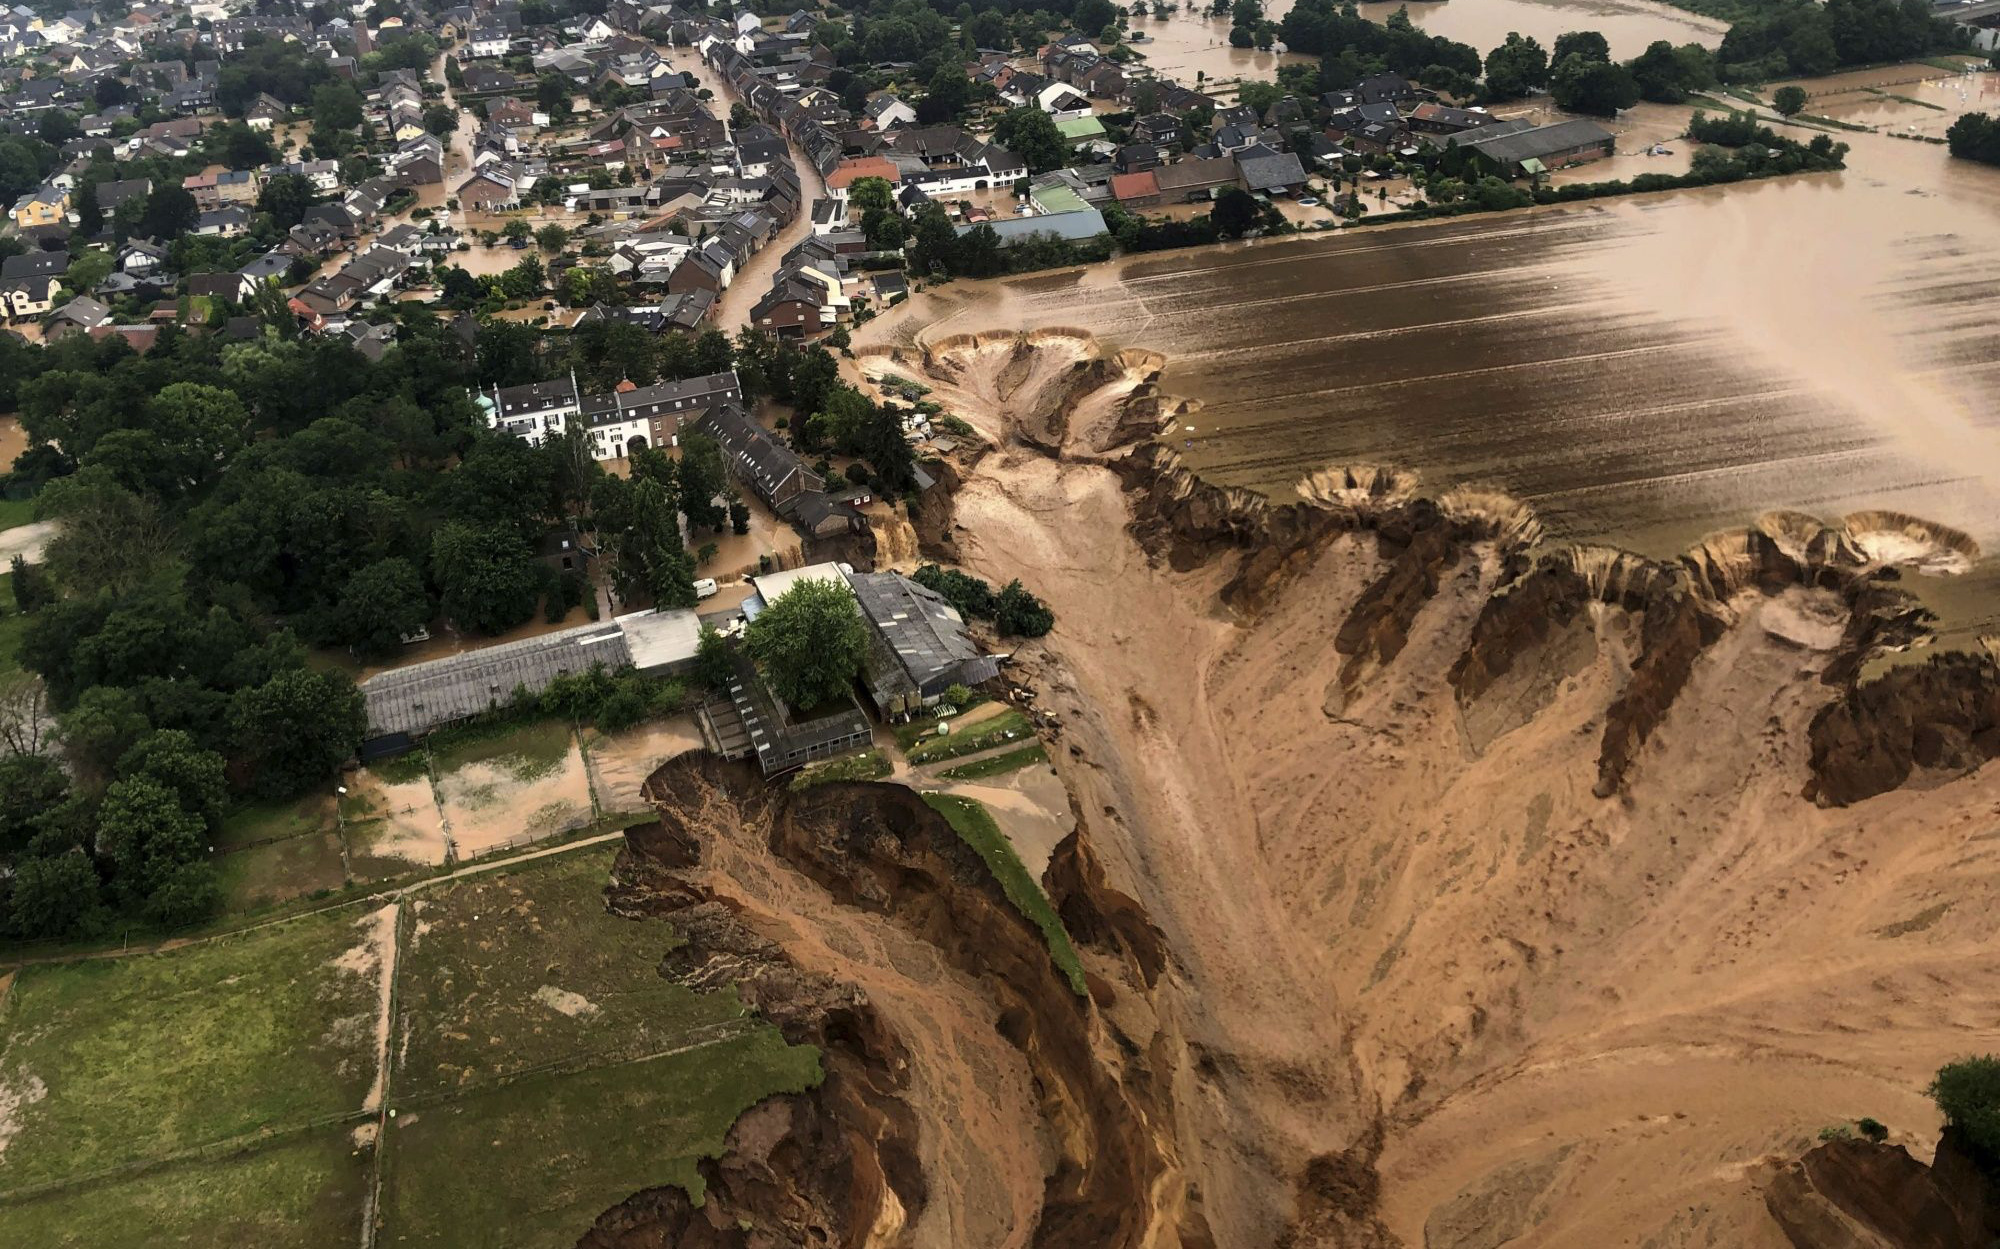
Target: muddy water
[
  {"x": 13, "y": 441},
  {"x": 1628, "y": 25},
  {"x": 1643, "y": 371}
]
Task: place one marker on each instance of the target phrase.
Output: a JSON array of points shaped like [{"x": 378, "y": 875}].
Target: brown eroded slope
[{"x": 1495, "y": 900}]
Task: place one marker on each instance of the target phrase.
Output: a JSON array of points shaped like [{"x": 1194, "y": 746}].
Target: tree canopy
[{"x": 809, "y": 643}]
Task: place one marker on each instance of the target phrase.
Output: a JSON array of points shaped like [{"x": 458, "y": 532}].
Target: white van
[{"x": 705, "y": 588}]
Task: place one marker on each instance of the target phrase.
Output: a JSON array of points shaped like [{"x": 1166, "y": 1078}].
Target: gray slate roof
[
  {"x": 425, "y": 696},
  {"x": 1563, "y": 136}
]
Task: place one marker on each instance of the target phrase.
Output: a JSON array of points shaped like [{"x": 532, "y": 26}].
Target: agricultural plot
[
  {"x": 547, "y": 1155},
  {"x": 303, "y": 1193}
]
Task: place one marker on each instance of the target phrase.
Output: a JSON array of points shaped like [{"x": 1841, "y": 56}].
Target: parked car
[{"x": 705, "y": 587}]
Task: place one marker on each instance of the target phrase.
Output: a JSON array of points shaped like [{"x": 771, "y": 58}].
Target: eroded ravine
[{"x": 1494, "y": 859}]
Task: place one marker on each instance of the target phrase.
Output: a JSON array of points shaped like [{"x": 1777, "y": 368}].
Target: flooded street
[{"x": 1643, "y": 371}]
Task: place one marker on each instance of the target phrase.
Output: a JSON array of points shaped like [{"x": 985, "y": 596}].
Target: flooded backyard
[{"x": 1643, "y": 370}]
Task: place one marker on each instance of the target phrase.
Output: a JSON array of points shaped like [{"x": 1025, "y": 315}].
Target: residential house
[
  {"x": 1270, "y": 172},
  {"x": 886, "y": 111},
  {"x": 1195, "y": 178},
  {"x": 28, "y": 297},
  {"x": 918, "y": 644},
  {"x": 46, "y": 206},
  {"x": 772, "y": 471}
]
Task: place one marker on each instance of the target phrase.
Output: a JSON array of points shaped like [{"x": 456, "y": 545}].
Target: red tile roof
[{"x": 1126, "y": 186}]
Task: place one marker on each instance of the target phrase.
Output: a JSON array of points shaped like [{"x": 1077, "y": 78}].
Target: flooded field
[
  {"x": 1628, "y": 25},
  {"x": 524, "y": 785},
  {"x": 621, "y": 762},
  {"x": 1643, "y": 371},
  {"x": 13, "y": 441}
]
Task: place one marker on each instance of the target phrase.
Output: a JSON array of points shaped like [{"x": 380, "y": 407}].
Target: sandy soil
[
  {"x": 972, "y": 1090},
  {"x": 621, "y": 762},
  {"x": 1601, "y": 1020},
  {"x": 495, "y": 802},
  {"x": 392, "y": 819},
  {"x": 27, "y": 540},
  {"x": 13, "y": 441}
]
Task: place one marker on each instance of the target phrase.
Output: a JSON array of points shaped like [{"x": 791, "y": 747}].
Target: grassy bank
[
  {"x": 971, "y": 821},
  {"x": 997, "y": 765},
  {"x": 1008, "y": 726}
]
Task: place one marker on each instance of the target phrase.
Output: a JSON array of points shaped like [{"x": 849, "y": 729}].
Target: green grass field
[
  {"x": 15, "y": 511},
  {"x": 997, "y": 765},
  {"x": 305, "y": 1193},
  {"x": 868, "y": 765},
  {"x": 1008, "y": 726},
  {"x": 532, "y": 1164},
  {"x": 527, "y": 751},
  {"x": 119, "y": 1060},
  {"x": 971, "y": 821},
  {"x": 510, "y": 970},
  {"x": 543, "y": 1072}
]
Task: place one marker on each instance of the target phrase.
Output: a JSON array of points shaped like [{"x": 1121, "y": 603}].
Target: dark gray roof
[
  {"x": 1264, "y": 169},
  {"x": 424, "y": 696},
  {"x": 925, "y": 647},
  {"x": 1563, "y": 136}
]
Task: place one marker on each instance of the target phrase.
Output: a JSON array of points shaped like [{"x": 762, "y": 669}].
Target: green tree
[
  {"x": 1235, "y": 213},
  {"x": 933, "y": 241},
  {"x": 1588, "y": 44},
  {"x": 1516, "y": 68},
  {"x": 144, "y": 833},
  {"x": 297, "y": 728},
  {"x": 552, "y": 237},
  {"x": 810, "y": 642},
  {"x": 1596, "y": 87},
  {"x": 441, "y": 120},
  {"x": 1967, "y": 1093},
  {"x": 516, "y": 230},
  {"x": 486, "y": 576},
  {"x": 711, "y": 661},
  {"x": 1789, "y": 100},
  {"x": 173, "y": 760},
  {"x": 104, "y": 723},
  {"x": 1031, "y": 134},
  {"x": 286, "y": 197},
  {"x": 30, "y": 787},
  {"x": 380, "y": 605},
  {"x": 336, "y": 106},
  {"x": 170, "y": 212},
  {"x": 872, "y": 193},
  {"x": 1020, "y": 614},
  {"x": 89, "y": 213},
  {"x": 946, "y": 97},
  {"x": 53, "y": 897},
  {"x": 201, "y": 426}
]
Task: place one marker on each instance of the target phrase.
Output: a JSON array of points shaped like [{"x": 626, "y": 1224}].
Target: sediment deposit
[{"x": 1437, "y": 884}]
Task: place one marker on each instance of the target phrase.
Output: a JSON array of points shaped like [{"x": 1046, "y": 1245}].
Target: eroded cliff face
[
  {"x": 845, "y": 1164},
  {"x": 1848, "y": 1194},
  {"x": 1438, "y": 884}
]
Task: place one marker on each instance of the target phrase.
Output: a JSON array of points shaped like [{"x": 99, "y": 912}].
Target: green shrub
[{"x": 1967, "y": 1093}]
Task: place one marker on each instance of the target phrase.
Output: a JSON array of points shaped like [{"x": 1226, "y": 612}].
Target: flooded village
[{"x": 1154, "y": 626}]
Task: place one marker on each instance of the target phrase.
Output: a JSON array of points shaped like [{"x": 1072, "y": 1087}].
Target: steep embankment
[
  {"x": 965, "y": 1100},
  {"x": 1506, "y": 888}
]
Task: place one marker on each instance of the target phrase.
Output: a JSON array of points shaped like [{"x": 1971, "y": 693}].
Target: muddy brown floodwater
[{"x": 1641, "y": 371}]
